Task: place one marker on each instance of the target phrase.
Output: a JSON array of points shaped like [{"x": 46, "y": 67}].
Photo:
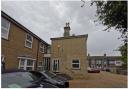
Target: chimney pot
[
  {"x": 67, "y": 30},
  {"x": 105, "y": 54}
]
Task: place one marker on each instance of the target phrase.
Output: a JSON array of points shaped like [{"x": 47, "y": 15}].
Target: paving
[{"x": 100, "y": 80}]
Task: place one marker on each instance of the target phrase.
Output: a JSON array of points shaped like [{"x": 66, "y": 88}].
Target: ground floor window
[
  {"x": 2, "y": 62},
  {"x": 46, "y": 63},
  {"x": 75, "y": 64},
  {"x": 26, "y": 64},
  {"x": 55, "y": 66},
  {"x": 40, "y": 66}
]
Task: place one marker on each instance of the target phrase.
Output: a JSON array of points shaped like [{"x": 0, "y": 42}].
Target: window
[
  {"x": 46, "y": 63},
  {"x": 2, "y": 62},
  {"x": 28, "y": 42},
  {"x": 45, "y": 49},
  {"x": 55, "y": 65},
  {"x": 48, "y": 49},
  {"x": 111, "y": 62},
  {"x": 40, "y": 66},
  {"x": 2, "y": 58},
  {"x": 29, "y": 62},
  {"x": 42, "y": 47},
  {"x": 26, "y": 64},
  {"x": 76, "y": 64},
  {"x": 40, "y": 63},
  {"x": 118, "y": 63},
  {"x": 105, "y": 62},
  {"x": 99, "y": 61},
  {"x": 22, "y": 62},
  {"x": 5, "y": 25}
]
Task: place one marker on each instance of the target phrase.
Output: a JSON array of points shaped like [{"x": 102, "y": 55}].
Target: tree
[
  {"x": 113, "y": 14},
  {"x": 123, "y": 50}
]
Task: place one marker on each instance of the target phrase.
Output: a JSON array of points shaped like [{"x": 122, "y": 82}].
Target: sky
[{"x": 47, "y": 19}]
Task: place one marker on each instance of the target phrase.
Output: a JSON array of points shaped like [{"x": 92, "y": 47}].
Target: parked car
[
  {"x": 66, "y": 76},
  {"x": 107, "y": 69},
  {"x": 52, "y": 78},
  {"x": 93, "y": 70},
  {"x": 22, "y": 79}
]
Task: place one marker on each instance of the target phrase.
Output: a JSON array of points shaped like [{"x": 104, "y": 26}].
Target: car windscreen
[
  {"x": 17, "y": 79},
  {"x": 50, "y": 74}
]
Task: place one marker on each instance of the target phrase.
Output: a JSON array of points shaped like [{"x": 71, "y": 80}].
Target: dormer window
[
  {"x": 29, "y": 40},
  {"x": 5, "y": 26}
]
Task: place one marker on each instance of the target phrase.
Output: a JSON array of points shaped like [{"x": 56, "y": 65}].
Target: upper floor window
[
  {"x": 42, "y": 47},
  {"x": 5, "y": 25},
  {"x": 40, "y": 66},
  {"x": 48, "y": 49},
  {"x": 76, "y": 64},
  {"x": 29, "y": 40}
]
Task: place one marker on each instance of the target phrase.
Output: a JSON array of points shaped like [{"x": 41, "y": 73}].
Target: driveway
[{"x": 100, "y": 80}]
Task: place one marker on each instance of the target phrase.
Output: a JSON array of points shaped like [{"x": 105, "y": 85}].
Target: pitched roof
[
  {"x": 3, "y": 14},
  {"x": 104, "y": 57}
]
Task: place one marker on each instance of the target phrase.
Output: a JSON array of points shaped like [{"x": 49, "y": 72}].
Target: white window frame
[
  {"x": 42, "y": 46},
  {"x": 2, "y": 62},
  {"x": 75, "y": 63},
  {"x": 25, "y": 63},
  {"x": 46, "y": 63},
  {"x": 112, "y": 62},
  {"x": 118, "y": 63},
  {"x": 100, "y": 62},
  {"x": 26, "y": 40},
  {"x": 57, "y": 62},
  {"x": 7, "y": 29},
  {"x": 2, "y": 58}
]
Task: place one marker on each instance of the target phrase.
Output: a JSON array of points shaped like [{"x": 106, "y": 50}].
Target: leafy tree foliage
[
  {"x": 123, "y": 50},
  {"x": 114, "y": 14}
]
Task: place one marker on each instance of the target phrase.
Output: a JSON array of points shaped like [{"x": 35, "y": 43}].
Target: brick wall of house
[
  {"x": 14, "y": 47},
  {"x": 69, "y": 49}
]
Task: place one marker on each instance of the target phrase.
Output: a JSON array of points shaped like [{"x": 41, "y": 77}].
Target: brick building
[
  {"x": 20, "y": 48},
  {"x": 69, "y": 54},
  {"x": 105, "y": 62}
]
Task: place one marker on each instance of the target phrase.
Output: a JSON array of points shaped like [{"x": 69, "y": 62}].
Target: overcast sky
[{"x": 47, "y": 19}]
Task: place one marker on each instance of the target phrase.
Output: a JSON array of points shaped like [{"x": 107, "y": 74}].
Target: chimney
[
  {"x": 67, "y": 30},
  {"x": 88, "y": 54},
  {"x": 105, "y": 55}
]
